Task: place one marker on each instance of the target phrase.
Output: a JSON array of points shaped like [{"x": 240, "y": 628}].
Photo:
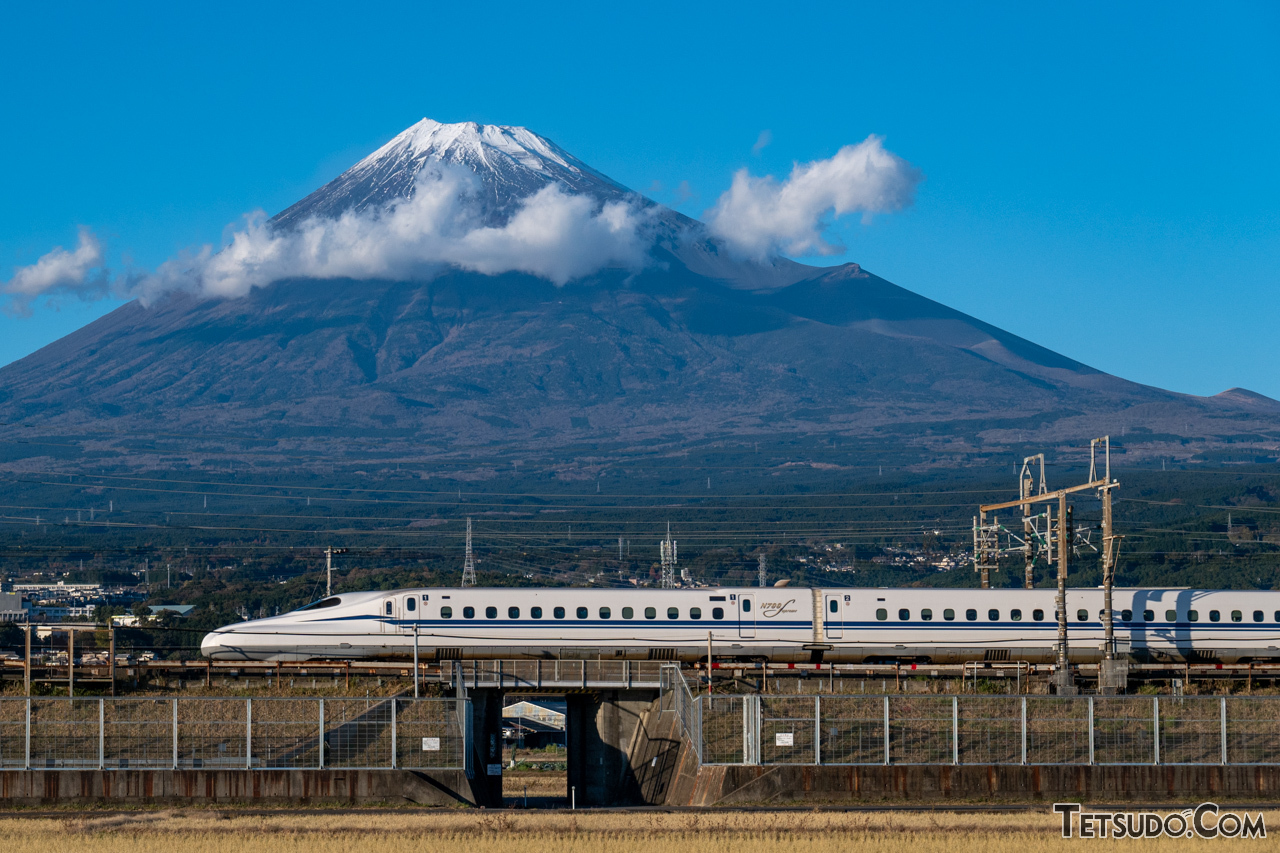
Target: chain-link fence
[
  {"x": 269, "y": 734},
  {"x": 987, "y": 730}
]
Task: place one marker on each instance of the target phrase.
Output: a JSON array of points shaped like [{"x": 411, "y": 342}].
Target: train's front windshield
[{"x": 324, "y": 602}]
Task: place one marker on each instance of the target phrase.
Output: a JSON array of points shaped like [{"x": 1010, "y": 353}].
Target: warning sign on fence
[{"x": 784, "y": 739}]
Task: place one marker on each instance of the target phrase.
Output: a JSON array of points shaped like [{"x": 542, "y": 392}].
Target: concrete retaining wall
[
  {"x": 921, "y": 784},
  {"x": 54, "y": 787}
]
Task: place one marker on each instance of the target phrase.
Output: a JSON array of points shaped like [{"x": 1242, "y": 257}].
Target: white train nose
[{"x": 213, "y": 647}]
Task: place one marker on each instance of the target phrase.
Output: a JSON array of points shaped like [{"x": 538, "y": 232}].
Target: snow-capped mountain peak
[{"x": 512, "y": 163}]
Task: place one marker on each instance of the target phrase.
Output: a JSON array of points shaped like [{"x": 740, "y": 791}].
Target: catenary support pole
[{"x": 1063, "y": 549}]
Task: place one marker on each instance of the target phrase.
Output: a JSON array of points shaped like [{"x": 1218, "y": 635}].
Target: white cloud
[
  {"x": 760, "y": 217},
  {"x": 553, "y": 234},
  {"x": 79, "y": 273},
  {"x": 762, "y": 141}
]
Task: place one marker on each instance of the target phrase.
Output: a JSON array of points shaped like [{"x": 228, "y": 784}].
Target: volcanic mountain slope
[{"x": 697, "y": 347}]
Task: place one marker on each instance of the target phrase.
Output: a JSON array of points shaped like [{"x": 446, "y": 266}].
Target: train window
[
  {"x": 949, "y": 615},
  {"x": 1257, "y": 616},
  {"x": 1126, "y": 615},
  {"x": 491, "y": 613},
  {"x": 882, "y": 614},
  {"x": 746, "y": 605},
  {"x": 468, "y": 613},
  {"x": 1082, "y": 615},
  {"x": 513, "y": 612},
  {"x": 993, "y": 615},
  {"x": 627, "y": 613},
  {"x": 1148, "y": 616},
  {"x": 926, "y": 615},
  {"x": 673, "y": 612},
  {"x": 411, "y": 604},
  {"x": 1278, "y": 615},
  {"x": 904, "y": 614},
  {"x": 388, "y": 608},
  {"x": 1193, "y": 615},
  {"x": 582, "y": 613},
  {"x": 558, "y": 612},
  {"x": 605, "y": 613},
  {"x": 324, "y": 602},
  {"x": 833, "y": 606},
  {"x": 1037, "y": 615},
  {"x": 1015, "y": 615},
  {"x": 971, "y": 615},
  {"x": 651, "y": 613},
  {"x": 446, "y": 612},
  {"x": 717, "y": 613},
  {"x": 1237, "y": 616},
  {"x": 695, "y": 612},
  {"x": 1171, "y": 616},
  {"x": 1214, "y": 616},
  {"x": 535, "y": 612}
]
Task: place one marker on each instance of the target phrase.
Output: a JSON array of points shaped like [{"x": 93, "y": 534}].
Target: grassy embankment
[{"x": 391, "y": 832}]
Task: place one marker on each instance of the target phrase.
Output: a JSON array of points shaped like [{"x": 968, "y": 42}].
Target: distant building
[
  {"x": 13, "y": 608},
  {"x": 532, "y": 725},
  {"x": 180, "y": 609},
  {"x": 56, "y": 613}
]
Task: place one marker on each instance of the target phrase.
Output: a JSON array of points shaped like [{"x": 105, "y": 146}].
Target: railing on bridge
[
  {"x": 846, "y": 730},
  {"x": 253, "y": 734},
  {"x": 554, "y": 674}
]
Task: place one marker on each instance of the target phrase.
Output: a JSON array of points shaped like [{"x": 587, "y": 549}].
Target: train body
[{"x": 781, "y": 624}]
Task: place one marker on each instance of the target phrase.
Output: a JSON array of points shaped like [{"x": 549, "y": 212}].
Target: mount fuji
[{"x": 695, "y": 349}]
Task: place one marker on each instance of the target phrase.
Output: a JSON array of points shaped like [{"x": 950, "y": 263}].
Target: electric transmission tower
[
  {"x": 469, "y": 563},
  {"x": 667, "y": 550},
  {"x": 763, "y": 573}
]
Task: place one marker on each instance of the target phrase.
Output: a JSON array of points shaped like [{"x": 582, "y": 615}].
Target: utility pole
[
  {"x": 667, "y": 552},
  {"x": 1059, "y": 543},
  {"x": 1113, "y": 674},
  {"x": 1066, "y": 685},
  {"x": 468, "y": 563},
  {"x": 763, "y": 574},
  {"x": 1025, "y": 486},
  {"x": 328, "y": 568}
]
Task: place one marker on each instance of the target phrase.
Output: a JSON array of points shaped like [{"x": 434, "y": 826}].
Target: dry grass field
[{"x": 199, "y": 831}]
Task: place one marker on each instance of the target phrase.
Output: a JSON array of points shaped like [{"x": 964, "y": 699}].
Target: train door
[
  {"x": 833, "y": 618},
  {"x": 408, "y": 607},
  {"x": 747, "y": 615},
  {"x": 389, "y": 616}
]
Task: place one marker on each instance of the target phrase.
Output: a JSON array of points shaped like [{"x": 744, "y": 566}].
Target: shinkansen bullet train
[{"x": 782, "y": 624}]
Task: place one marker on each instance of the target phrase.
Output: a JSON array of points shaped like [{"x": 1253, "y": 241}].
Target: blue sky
[{"x": 1101, "y": 181}]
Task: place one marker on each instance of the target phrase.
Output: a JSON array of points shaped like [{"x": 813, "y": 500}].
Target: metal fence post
[
  {"x": 817, "y": 729},
  {"x": 755, "y": 730},
  {"x": 26, "y": 759},
  {"x": 886, "y": 729},
  {"x": 1091, "y": 730},
  {"x": 955, "y": 730},
  {"x": 175, "y": 734},
  {"x": 321, "y": 750},
  {"x": 248, "y": 734},
  {"x": 102, "y": 734},
  {"x": 1024, "y": 729},
  {"x": 1155, "y": 721},
  {"x": 393, "y": 733},
  {"x": 1223, "y": 714}
]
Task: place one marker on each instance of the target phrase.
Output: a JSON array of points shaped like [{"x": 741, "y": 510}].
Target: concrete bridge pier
[
  {"x": 602, "y": 728},
  {"x": 486, "y": 744}
]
